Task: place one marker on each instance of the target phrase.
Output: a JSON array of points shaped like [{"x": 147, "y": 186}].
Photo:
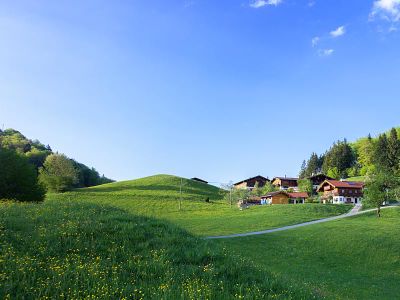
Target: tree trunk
[{"x": 379, "y": 211}]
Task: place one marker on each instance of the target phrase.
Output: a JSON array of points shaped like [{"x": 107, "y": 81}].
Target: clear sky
[{"x": 221, "y": 90}]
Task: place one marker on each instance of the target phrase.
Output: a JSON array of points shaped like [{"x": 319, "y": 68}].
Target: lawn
[
  {"x": 158, "y": 196},
  {"x": 77, "y": 250},
  {"x": 354, "y": 258}
]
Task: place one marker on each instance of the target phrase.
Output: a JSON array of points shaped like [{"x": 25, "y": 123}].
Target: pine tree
[
  {"x": 393, "y": 151},
  {"x": 302, "y": 173},
  {"x": 381, "y": 156}
]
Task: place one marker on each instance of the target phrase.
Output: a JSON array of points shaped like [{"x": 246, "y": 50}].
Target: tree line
[
  {"x": 360, "y": 158},
  {"x": 376, "y": 159},
  {"x": 28, "y": 169}
]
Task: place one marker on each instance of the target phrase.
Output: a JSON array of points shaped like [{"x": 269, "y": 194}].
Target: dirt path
[{"x": 354, "y": 212}]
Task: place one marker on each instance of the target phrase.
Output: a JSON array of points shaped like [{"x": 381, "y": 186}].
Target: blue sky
[{"x": 221, "y": 90}]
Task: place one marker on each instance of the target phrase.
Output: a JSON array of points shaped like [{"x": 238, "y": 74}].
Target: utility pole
[
  {"x": 230, "y": 196},
  {"x": 180, "y": 196}
]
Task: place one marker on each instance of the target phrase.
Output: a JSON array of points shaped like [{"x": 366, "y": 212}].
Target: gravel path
[{"x": 354, "y": 212}]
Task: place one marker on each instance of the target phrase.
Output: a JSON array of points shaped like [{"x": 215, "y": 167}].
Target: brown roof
[
  {"x": 346, "y": 184},
  {"x": 271, "y": 194},
  {"x": 343, "y": 184},
  {"x": 286, "y": 178},
  {"x": 298, "y": 195},
  {"x": 255, "y": 177}
]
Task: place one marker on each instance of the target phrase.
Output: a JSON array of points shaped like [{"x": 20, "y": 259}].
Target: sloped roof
[
  {"x": 343, "y": 184},
  {"x": 255, "y": 177},
  {"x": 271, "y": 194},
  {"x": 298, "y": 195},
  {"x": 286, "y": 178}
]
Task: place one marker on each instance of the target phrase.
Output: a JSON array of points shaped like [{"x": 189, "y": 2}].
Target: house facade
[
  {"x": 318, "y": 179},
  {"x": 250, "y": 183},
  {"x": 285, "y": 183},
  {"x": 279, "y": 197},
  {"x": 341, "y": 192}
]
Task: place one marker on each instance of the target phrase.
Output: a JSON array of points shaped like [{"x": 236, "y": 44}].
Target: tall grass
[{"x": 75, "y": 250}]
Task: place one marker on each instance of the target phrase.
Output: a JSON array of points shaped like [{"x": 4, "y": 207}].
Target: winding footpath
[{"x": 354, "y": 212}]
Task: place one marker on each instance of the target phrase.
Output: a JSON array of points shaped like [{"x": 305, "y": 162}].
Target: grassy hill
[
  {"x": 77, "y": 250},
  {"x": 158, "y": 196},
  {"x": 356, "y": 258}
]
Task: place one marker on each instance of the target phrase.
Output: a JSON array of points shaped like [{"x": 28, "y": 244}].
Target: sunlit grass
[
  {"x": 158, "y": 196},
  {"x": 354, "y": 258},
  {"x": 76, "y": 250}
]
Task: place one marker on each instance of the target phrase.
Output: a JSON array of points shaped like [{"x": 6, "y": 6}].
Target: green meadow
[
  {"x": 131, "y": 240},
  {"x": 158, "y": 196},
  {"x": 78, "y": 250},
  {"x": 353, "y": 258}
]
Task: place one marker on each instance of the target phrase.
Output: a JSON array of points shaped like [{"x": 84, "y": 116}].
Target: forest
[
  {"x": 360, "y": 158},
  {"x": 30, "y": 168}
]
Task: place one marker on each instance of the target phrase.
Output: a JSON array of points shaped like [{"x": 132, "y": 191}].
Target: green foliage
[
  {"x": 37, "y": 153},
  {"x": 334, "y": 173},
  {"x": 379, "y": 189},
  {"x": 364, "y": 157},
  {"x": 312, "y": 166},
  {"x": 305, "y": 185},
  {"x": 18, "y": 178},
  {"x": 58, "y": 173},
  {"x": 77, "y": 250},
  {"x": 268, "y": 188},
  {"x": 352, "y": 258},
  {"x": 340, "y": 158}
]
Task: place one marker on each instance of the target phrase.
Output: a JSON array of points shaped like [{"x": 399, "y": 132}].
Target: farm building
[
  {"x": 285, "y": 183},
  {"x": 199, "y": 180},
  {"x": 340, "y": 192},
  {"x": 318, "y": 179},
  {"x": 299, "y": 197},
  {"x": 251, "y": 182}
]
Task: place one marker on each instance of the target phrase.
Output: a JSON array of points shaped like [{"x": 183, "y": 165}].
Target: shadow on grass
[{"x": 75, "y": 249}]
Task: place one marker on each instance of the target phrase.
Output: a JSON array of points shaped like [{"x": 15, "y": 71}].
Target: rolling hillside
[
  {"x": 77, "y": 250},
  {"x": 158, "y": 196}
]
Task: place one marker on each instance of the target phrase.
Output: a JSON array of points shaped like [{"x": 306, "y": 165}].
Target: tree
[
  {"x": 334, "y": 173},
  {"x": 58, "y": 173},
  {"x": 393, "y": 148},
  {"x": 340, "y": 156},
  {"x": 303, "y": 168},
  {"x": 18, "y": 178},
  {"x": 381, "y": 157},
  {"x": 379, "y": 188},
  {"x": 256, "y": 191},
  {"x": 305, "y": 185},
  {"x": 268, "y": 188},
  {"x": 365, "y": 149}
]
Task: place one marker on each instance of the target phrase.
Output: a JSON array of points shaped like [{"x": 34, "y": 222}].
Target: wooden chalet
[
  {"x": 318, "y": 179},
  {"x": 251, "y": 182},
  {"x": 285, "y": 183},
  {"x": 199, "y": 180},
  {"x": 279, "y": 197},
  {"x": 339, "y": 192}
]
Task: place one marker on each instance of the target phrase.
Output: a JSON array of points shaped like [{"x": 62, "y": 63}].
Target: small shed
[{"x": 199, "y": 180}]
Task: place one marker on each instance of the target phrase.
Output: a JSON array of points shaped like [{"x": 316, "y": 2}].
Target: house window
[{"x": 350, "y": 191}]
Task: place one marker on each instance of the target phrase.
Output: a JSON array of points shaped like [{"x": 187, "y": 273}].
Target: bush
[{"x": 18, "y": 178}]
